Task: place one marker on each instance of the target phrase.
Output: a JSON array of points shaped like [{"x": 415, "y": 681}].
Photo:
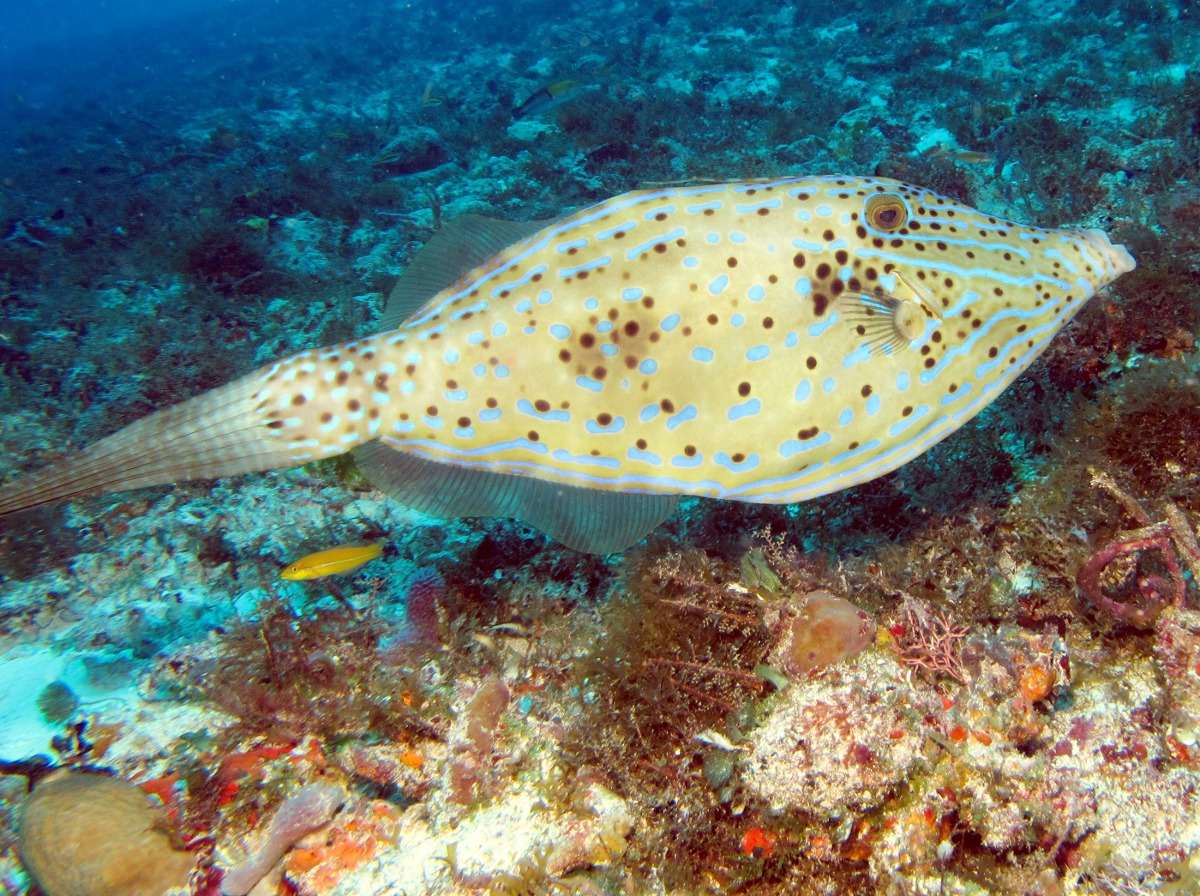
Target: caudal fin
[{"x": 220, "y": 433}]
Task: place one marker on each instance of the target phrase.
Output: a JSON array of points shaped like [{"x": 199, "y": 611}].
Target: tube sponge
[
  {"x": 86, "y": 834},
  {"x": 308, "y": 810}
]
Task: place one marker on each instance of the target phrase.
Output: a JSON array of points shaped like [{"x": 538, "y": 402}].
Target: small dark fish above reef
[
  {"x": 547, "y": 98},
  {"x": 766, "y": 341}
]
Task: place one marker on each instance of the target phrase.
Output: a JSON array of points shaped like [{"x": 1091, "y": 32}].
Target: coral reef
[{"x": 708, "y": 713}]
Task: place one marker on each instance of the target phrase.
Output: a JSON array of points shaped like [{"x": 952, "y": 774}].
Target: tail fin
[{"x": 219, "y": 433}]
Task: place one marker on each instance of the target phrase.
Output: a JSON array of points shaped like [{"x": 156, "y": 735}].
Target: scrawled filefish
[{"x": 767, "y": 341}]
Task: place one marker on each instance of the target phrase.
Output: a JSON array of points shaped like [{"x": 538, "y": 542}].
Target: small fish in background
[
  {"x": 430, "y": 96},
  {"x": 332, "y": 561},
  {"x": 548, "y": 97},
  {"x": 962, "y": 156}
]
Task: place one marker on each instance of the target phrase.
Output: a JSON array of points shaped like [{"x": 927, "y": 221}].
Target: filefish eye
[{"x": 886, "y": 212}]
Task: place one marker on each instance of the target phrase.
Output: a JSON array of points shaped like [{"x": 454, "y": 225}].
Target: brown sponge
[{"x": 86, "y": 834}]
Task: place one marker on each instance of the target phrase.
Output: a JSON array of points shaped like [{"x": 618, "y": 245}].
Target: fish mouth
[{"x": 1118, "y": 257}]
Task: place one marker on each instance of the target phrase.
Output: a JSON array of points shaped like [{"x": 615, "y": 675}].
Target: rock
[{"x": 91, "y": 835}]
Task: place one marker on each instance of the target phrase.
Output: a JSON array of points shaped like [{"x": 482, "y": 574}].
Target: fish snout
[{"x": 1117, "y": 257}]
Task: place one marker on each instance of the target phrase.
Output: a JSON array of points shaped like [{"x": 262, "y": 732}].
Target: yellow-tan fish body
[
  {"x": 766, "y": 341},
  {"x": 331, "y": 561}
]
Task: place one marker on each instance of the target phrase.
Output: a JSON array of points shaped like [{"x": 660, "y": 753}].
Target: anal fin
[{"x": 588, "y": 520}]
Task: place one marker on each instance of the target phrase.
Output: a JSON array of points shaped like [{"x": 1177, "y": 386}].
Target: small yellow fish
[{"x": 332, "y": 561}]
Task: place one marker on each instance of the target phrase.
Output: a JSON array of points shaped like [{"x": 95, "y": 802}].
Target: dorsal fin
[
  {"x": 596, "y": 522},
  {"x": 462, "y": 244}
]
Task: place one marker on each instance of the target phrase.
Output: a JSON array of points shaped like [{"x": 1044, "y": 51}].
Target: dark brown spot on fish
[
  {"x": 807, "y": 433},
  {"x": 743, "y": 389},
  {"x": 541, "y": 406},
  {"x": 604, "y": 419},
  {"x": 689, "y": 450}
]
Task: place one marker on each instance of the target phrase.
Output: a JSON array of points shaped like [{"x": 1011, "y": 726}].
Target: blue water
[{"x": 191, "y": 190}]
